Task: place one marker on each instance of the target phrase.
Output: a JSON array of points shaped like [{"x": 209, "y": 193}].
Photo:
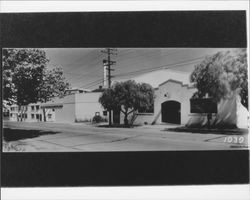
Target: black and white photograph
[
  {"x": 124, "y": 99},
  {"x": 154, "y": 96}
]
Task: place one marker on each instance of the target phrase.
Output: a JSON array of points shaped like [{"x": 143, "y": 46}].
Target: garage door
[{"x": 171, "y": 112}]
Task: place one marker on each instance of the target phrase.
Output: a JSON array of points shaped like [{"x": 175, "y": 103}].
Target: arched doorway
[{"x": 171, "y": 112}]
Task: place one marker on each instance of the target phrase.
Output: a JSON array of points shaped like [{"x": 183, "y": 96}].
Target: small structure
[
  {"x": 30, "y": 113},
  {"x": 76, "y": 107},
  {"x": 173, "y": 92},
  {"x": 6, "y": 109}
]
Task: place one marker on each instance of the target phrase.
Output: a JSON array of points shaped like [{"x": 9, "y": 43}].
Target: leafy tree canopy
[
  {"x": 222, "y": 74},
  {"x": 128, "y": 96},
  {"x": 26, "y": 78},
  {"x": 53, "y": 85}
]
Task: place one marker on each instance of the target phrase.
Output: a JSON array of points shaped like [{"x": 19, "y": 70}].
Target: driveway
[{"x": 55, "y": 137}]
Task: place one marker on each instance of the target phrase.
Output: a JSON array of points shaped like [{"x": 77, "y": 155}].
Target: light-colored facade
[
  {"x": 172, "y": 89},
  {"x": 171, "y": 105},
  {"x": 77, "y": 107},
  {"x": 31, "y": 113},
  {"x": 170, "y": 93}
]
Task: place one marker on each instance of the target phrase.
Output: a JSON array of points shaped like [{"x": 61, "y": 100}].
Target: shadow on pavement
[
  {"x": 20, "y": 134},
  {"x": 209, "y": 131},
  {"x": 117, "y": 126}
]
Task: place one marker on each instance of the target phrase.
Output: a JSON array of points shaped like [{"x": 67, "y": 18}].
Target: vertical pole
[
  {"x": 109, "y": 82},
  {"x": 108, "y": 51}
]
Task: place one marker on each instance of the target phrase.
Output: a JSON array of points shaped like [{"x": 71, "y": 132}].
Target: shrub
[{"x": 98, "y": 119}]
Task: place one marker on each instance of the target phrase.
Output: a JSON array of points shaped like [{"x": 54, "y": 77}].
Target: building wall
[
  {"x": 34, "y": 113},
  {"x": 87, "y": 106},
  {"x": 169, "y": 91},
  {"x": 231, "y": 114},
  {"x": 31, "y": 113},
  {"x": 141, "y": 118},
  {"x": 67, "y": 112},
  {"x": 13, "y": 113},
  {"x": 79, "y": 107},
  {"x": 173, "y": 91}
]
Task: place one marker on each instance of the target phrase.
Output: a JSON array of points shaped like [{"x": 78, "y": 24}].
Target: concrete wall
[
  {"x": 144, "y": 118},
  {"x": 231, "y": 114},
  {"x": 67, "y": 112},
  {"x": 173, "y": 91},
  {"x": 79, "y": 107},
  {"x": 87, "y": 106}
]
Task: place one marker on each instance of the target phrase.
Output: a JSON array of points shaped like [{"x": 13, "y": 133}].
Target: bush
[{"x": 98, "y": 119}]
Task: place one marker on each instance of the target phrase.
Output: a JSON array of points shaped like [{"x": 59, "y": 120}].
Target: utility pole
[{"x": 108, "y": 63}]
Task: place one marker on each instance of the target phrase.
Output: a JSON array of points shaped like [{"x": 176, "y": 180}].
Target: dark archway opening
[{"x": 171, "y": 112}]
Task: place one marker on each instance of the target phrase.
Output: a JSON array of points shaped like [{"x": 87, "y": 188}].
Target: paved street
[{"x": 53, "y": 137}]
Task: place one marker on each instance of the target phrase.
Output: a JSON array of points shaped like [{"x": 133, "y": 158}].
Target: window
[
  {"x": 37, "y": 116},
  {"x": 32, "y": 116},
  {"x": 49, "y": 116},
  {"x": 53, "y": 110},
  {"x": 37, "y": 107},
  {"x": 10, "y": 114},
  {"x": 97, "y": 113},
  {"x": 32, "y": 108}
]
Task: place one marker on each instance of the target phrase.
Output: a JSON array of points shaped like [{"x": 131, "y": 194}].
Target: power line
[
  {"x": 83, "y": 75},
  {"x": 87, "y": 65},
  {"x": 126, "y": 59},
  {"x": 82, "y": 57},
  {"x": 97, "y": 84},
  {"x": 190, "y": 61},
  {"x": 155, "y": 68},
  {"x": 134, "y": 63},
  {"x": 91, "y": 83}
]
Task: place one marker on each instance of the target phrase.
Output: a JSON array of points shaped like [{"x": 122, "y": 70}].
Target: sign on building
[{"x": 207, "y": 105}]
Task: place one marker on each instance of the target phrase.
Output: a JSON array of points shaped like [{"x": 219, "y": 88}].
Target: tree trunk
[
  {"x": 21, "y": 113},
  {"x": 44, "y": 115},
  {"x": 126, "y": 119},
  {"x": 209, "y": 117},
  {"x": 110, "y": 119}
]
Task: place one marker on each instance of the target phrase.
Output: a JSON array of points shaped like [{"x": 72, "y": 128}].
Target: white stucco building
[
  {"x": 173, "y": 91},
  {"x": 78, "y": 106},
  {"x": 30, "y": 113}
]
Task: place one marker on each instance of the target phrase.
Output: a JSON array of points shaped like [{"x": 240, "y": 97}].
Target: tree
[
  {"x": 26, "y": 78},
  {"x": 14, "y": 58},
  {"x": 222, "y": 74},
  {"x": 22, "y": 74},
  {"x": 53, "y": 85},
  {"x": 127, "y": 96}
]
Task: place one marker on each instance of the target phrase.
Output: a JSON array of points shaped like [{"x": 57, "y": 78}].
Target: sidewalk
[
  {"x": 226, "y": 131},
  {"x": 54, "y": 137}
]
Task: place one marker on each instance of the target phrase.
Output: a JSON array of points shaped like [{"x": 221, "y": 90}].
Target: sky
[{"x": 83, "y": 67}]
